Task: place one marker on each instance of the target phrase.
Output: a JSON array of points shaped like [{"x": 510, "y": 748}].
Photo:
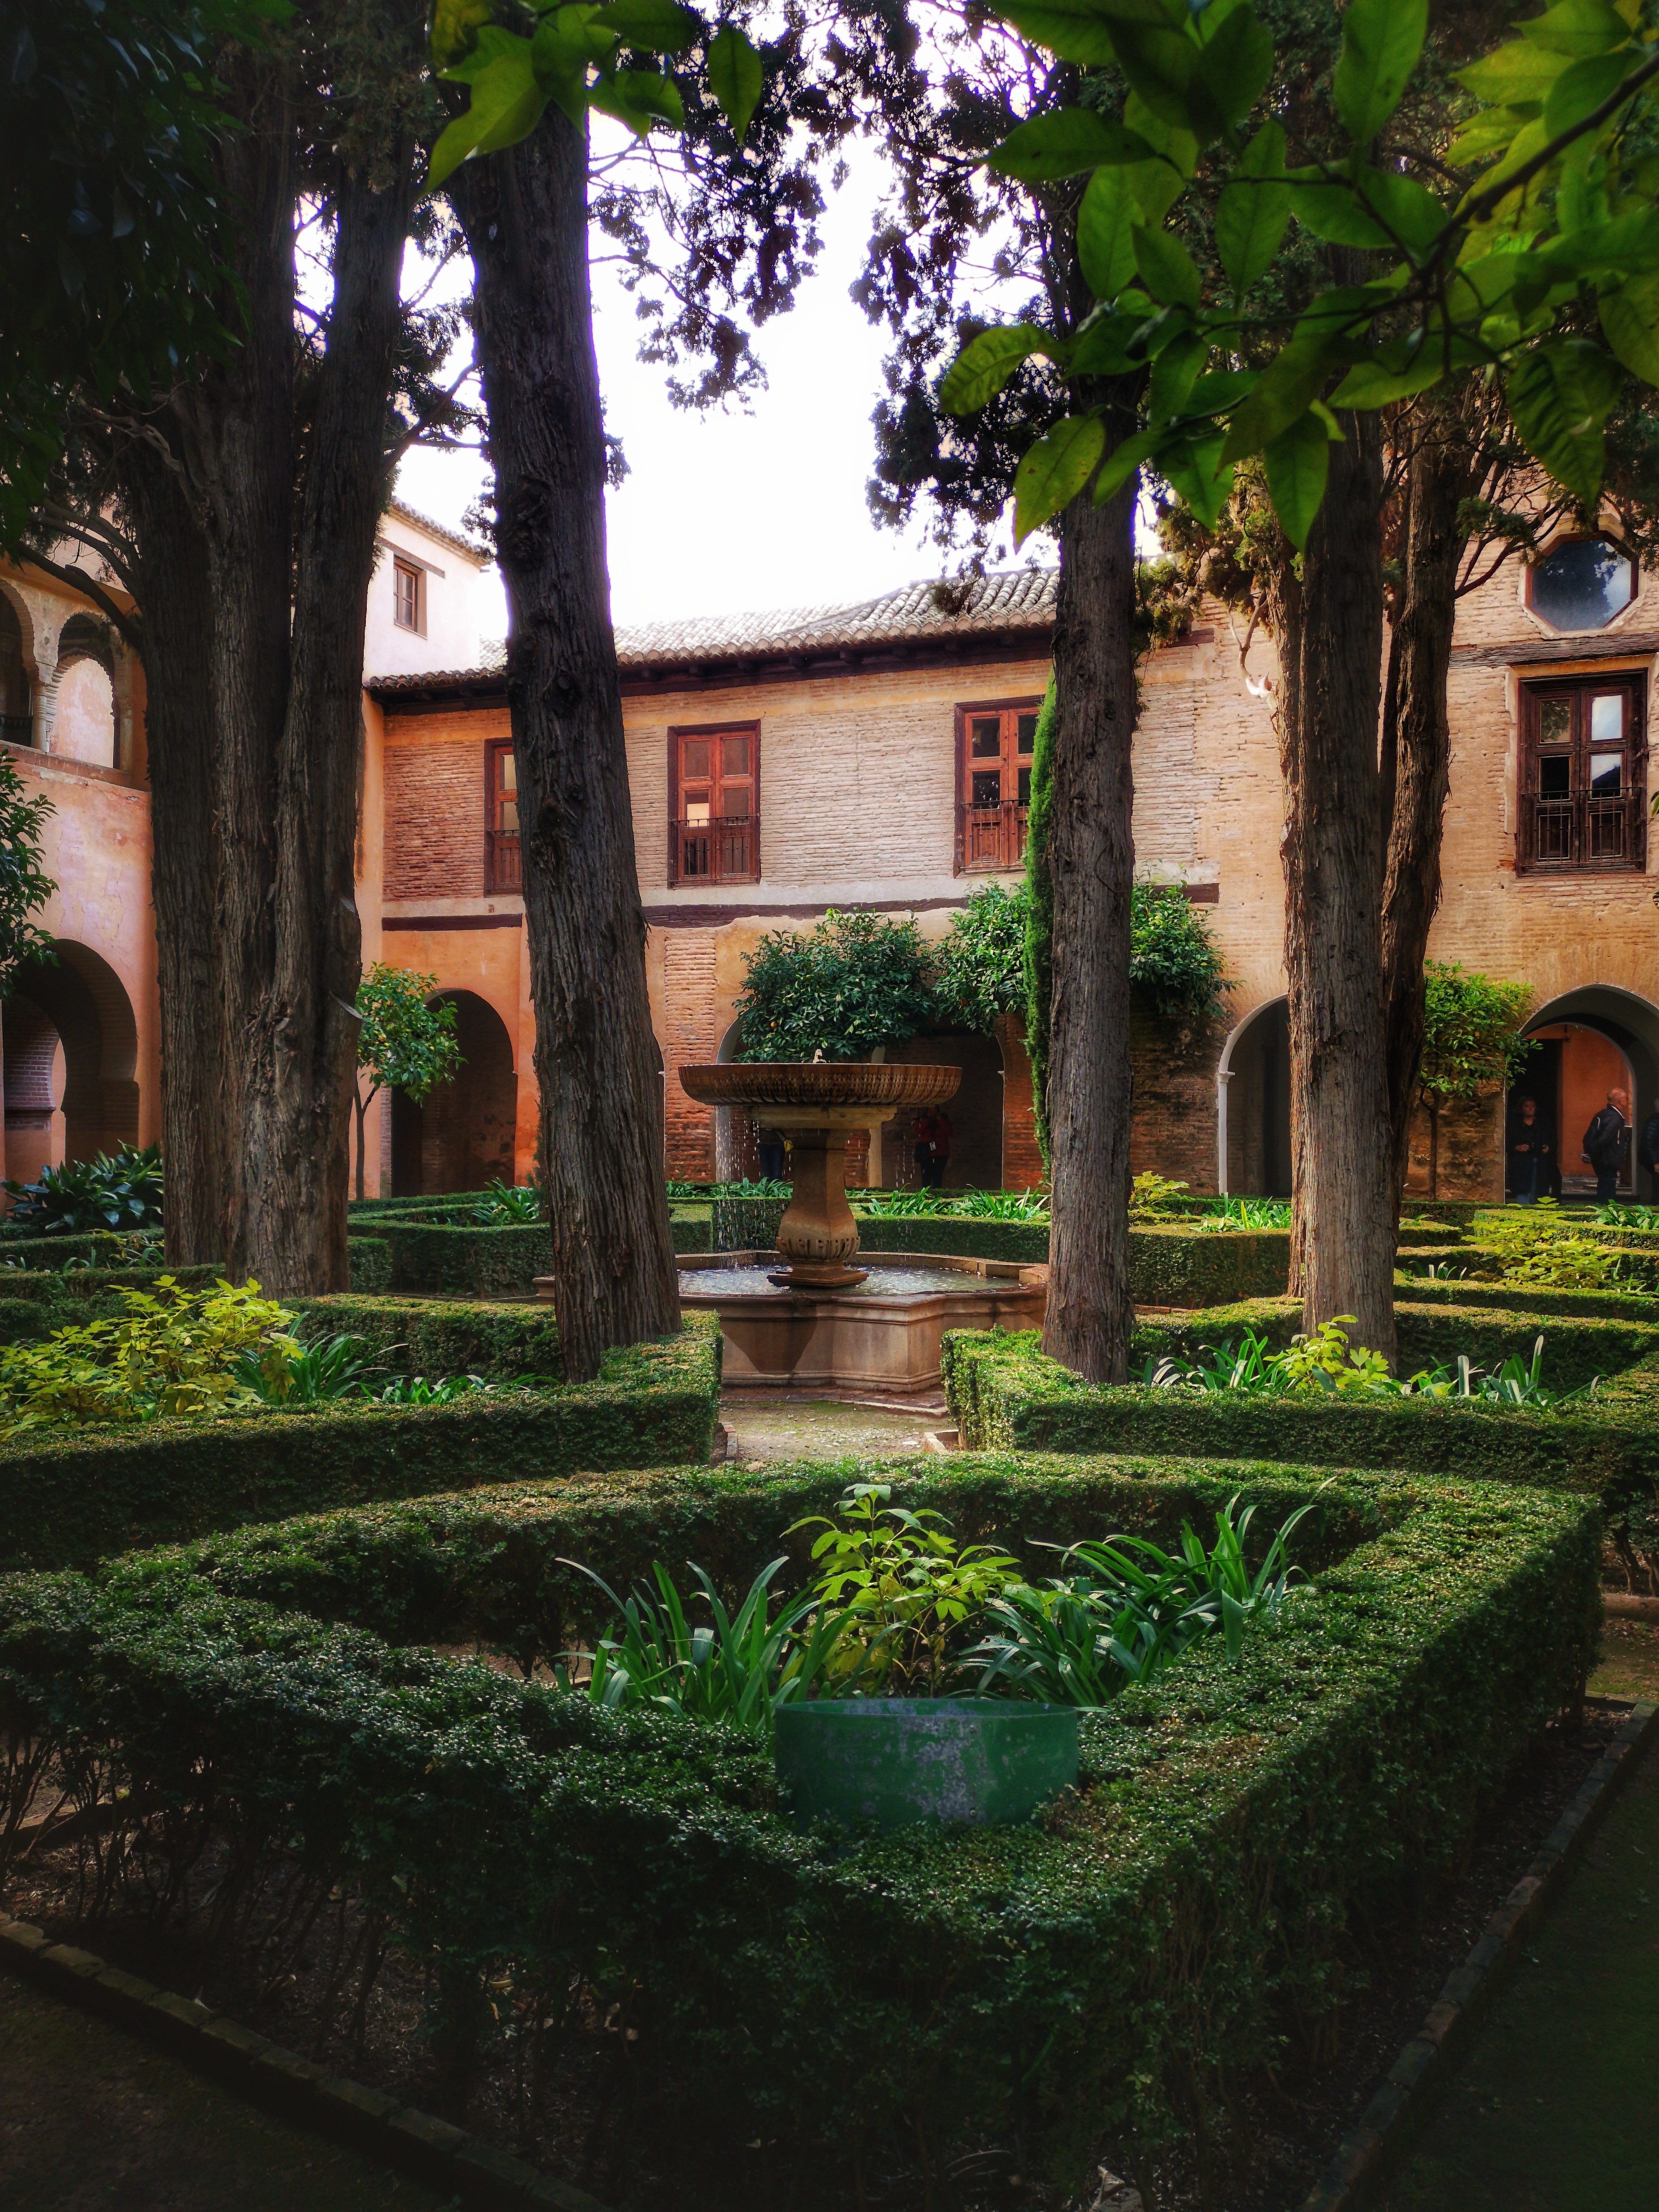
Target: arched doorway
[
  {"x": 1592, "y": 1041},
  {"x": 83, "y": 721},
  {"x": 462, "y": 1137},
  {"x": 976, "y": 1114},
  {"x": 71, "y": 1055},
  {"x": 1253, "y": 1105},
  {"x": 16, "y": 697}
]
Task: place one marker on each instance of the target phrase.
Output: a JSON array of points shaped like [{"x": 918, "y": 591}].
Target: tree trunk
[
  {"x": 1440, "y": 476},
  {"x": 1343, "y": 1242},
  {"x": 525, "y": 215},
  {"x": 360, "y": 1106},
  {"x": 181, "y": 728},
  {"x": 1434, "y": 1153},
  {"x": 1091, "y": 856},
  {"x": 292, "y": 991}
]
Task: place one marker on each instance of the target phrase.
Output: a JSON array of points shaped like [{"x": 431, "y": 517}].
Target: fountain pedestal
[{"x": 819, "y": 1103}]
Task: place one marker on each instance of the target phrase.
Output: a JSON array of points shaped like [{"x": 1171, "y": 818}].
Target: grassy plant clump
[
  {"x": 1327, "y": 1361},
  {"x": 1226, "y": 1211},
  {"x": 505, "y": 1204},
  {"x": 1151, "y": 1194},
  {"x": 955, "y": 1205},
  {"x": 123, "y": 1192}
]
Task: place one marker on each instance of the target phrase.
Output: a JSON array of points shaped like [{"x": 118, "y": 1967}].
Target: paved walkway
[
  {"x": 92, "y": 2119},
  {"x": 1557, "y": 2109}
]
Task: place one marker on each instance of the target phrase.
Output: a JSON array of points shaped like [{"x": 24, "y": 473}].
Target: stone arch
[
  {"x": 1594, "y": 1035},
  {"x": 71, "y": 1055},
  {"x": 86, "y": 718},
  {"x": 1253, "y": 1104},
  {"x": 462, "y": 1137},
  {"x": 16, "y": 690}
]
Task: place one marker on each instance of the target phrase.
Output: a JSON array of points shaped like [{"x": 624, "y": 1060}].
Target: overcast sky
[{"x": 730, "y": 510}]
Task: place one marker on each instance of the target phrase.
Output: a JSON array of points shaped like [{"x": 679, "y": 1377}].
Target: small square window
[
  {"x": 986, "y": 739},
  {"x": 988, "y": 786},
  {"x": 1028, "y": 733}
]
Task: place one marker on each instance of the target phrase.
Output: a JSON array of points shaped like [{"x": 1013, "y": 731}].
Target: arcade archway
[
  {"x": 1591, "y": 1041},
  {"x": 463, "y": 1136},
  {"x": 71, "y": 1055},
  {"x": 1253, "y": 1105}
]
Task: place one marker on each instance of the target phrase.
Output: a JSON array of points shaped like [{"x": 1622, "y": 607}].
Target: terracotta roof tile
[{"x": 1019, "y": 602}]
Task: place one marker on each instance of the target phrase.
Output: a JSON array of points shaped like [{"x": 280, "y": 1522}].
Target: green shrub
[
  {"x": 442, "y": 1336},
  {"x": 1005, "y": 1395},
  {"x": 428, "y": 1256},
  {"x": 123, "y": 1193},
  {"x": 1074, "y": 1984},
  {"x": 170, "y": 1352},
  {"x": 1026, "y": 1242},
  {"x": 369, "y": 1262},
  {"x": 67, "y": 1500}
]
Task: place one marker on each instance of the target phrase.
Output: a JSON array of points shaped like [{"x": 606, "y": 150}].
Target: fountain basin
[
  {"x": 880, "y": 1337},
  {"x": 819, "y": 1102}
]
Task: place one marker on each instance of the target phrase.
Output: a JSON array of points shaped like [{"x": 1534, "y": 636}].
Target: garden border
[
  {"x": 430, "y": 2150},
  {"x": 1399, "y": 2111}
]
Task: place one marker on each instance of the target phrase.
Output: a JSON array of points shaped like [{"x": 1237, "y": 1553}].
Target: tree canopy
[
  {"x": 25, "y": 886},
  {"x": 854, "y": 983}
]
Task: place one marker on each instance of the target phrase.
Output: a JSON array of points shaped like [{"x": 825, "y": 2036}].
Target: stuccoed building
[
  {"x": 877, "y": 755},
  {"x": 872, "y": 756}
]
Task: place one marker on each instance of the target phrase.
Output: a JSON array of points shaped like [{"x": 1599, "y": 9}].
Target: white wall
[{"x": 451, "y": 589}]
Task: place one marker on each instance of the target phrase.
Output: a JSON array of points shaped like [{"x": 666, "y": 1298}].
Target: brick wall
[
  {"x": 690, "y": 1036},
  {"x": 434, "y": 820}
]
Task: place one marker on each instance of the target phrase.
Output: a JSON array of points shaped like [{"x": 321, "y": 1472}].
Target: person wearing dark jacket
[
  {"x": 1531, "y": 1150},
  {"x": 1647, "y": 1146},
  {"x": 1604, "y": 1144}
]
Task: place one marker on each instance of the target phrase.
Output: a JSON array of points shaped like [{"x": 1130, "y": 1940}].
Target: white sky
[{"x": 731, "y": 510}]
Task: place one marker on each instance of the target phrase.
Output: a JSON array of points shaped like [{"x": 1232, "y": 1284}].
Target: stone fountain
[{"x": 816, "y": 1321}]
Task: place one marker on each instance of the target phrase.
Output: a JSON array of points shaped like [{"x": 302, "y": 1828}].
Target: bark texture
[
  {"x": 1091, "y": 855},
  {"x": 1343, "y": 1237},
  {"x": 1416, "y": 760},
  {"x": 525, "y": 215},
  {"x": 172, "y": 587}
]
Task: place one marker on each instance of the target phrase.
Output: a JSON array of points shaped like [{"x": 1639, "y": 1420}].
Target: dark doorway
[
  {"x": 464, "y": 1134},
  {"x": 1259, "y": 1106}
]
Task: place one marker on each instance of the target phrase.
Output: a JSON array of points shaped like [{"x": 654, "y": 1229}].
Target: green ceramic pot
[{"x": 895, "y": 1761}]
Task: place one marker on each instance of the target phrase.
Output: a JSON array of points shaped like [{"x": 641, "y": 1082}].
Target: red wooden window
[
  {"x": 408, "y": 597},
  {"x": 501, "y": 872},
  {"x": 1584, "y": 776},
  {"x": 994, "y": 745},
  {"x": 714, "y": 799}
]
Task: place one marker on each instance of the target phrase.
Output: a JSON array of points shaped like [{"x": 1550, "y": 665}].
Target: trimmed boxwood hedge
[
  {"x": 1639, "y": 1268},
  {"x": 1527, "y": 1299},
  {"x": 1078, "y": 1983},
  {"x": 1006, "y": 1395},
  {"x": 70, "y": 1497},
  {"x": 1577, "y": 1349},
  {"x": 442, "y": 1336},
  {"x": 1026, "y": 1242},
  {"x": 475, "y": 1260}
]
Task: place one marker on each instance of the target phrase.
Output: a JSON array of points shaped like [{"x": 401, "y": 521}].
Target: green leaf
[
  {"x": 653, "y": 27},
  {"x": 455, "y": 27},
  {"x": 1167, "y": 270},
  {"x": 1067, "y": 143},
  {"x": 736, "y": 77},
  {"x": 1381, "y": 42},
  {"x": 1577, "y": 27},
  {"x": 1105, "y": 239},
  {"x": 1582, "y": 87},
  {"x": 1163, "y": 68},
  {"x": 1630, "y": 319},
  {"x": 1559, "y": 395},
  {"x": 1054, "y": 471},
  {"x": 1198, "y": 472},
  {"x": 1335, "y": 212},
  {"x": 1081, "y": 30},
  {"x": 1298, "y": 462},
  {"x": 1174, "y": 374},
  {"x": 1327, "y": 336},
  {"x": 1629, "y": 244},
  {"x": 986, "y": 363},
  {"x": 639, "y": 98},
  {"x": 1121, "y": 463},
  {"x": 506, "y": 104},
  {"x": 1375, "y": 383},
  {"x": 1515, "y": 73},
  {"x": 1236, "y": 64},
  {"x": 1253, "y": 209},
  {"x": 1408, "y": 209}
]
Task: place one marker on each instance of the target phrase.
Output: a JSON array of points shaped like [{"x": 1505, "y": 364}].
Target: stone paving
[
  {"x": 1556, "y": 2110},
  {"x": 92, "y": 2119}
]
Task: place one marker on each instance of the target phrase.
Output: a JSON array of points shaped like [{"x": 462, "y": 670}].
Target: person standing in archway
[
  {"x": 1604, "y": 1144},
  {"x": 1531, "y": 1149}
]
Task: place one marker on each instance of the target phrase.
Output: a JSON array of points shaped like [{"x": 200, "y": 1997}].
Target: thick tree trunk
[
  {"x": 526, "y": 215},
  {"x": 181, "y": 729},
  {"x": 297, "y": 1030},
  {"x": 1415, "y": 809},
  {"x": 1343, "y": 1245},
  {"x": 1091, "y": 855}
]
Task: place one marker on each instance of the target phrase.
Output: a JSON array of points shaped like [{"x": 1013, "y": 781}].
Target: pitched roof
[
  {"x": 445, "y": 536},
  {"x": 1014, "y": 603}
]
